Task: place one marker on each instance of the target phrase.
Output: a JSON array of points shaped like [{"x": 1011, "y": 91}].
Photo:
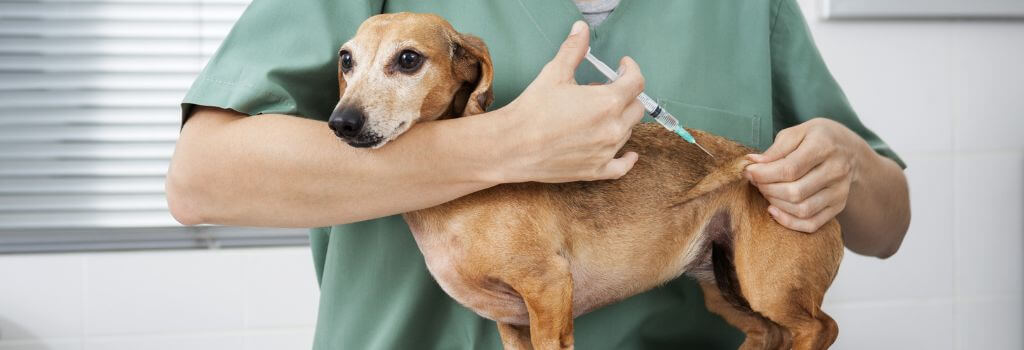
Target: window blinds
[{"x": 89, "y": 112}]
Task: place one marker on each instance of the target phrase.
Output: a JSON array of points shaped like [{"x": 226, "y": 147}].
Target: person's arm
[
  {"x": 817, "y": 168},
  {"x": 278, "y": 170},
  {"x": 284, "y": 171},
  {"x": 821, "y": 170},
  {"x": 877, "y": 213}
]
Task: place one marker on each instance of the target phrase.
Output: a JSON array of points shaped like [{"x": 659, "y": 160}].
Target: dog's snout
[{"x": 347, "y": 122}]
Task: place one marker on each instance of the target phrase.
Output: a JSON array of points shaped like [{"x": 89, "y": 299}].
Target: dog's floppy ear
[{"x": 472, "y": 66}]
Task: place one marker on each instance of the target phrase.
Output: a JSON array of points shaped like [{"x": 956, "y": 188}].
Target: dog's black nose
[{"x": 347, "y": 122}]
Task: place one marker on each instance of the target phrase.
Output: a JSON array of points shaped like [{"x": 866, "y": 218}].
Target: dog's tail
[
  {"x": 720, "y": 232},
  {"x": 724, "y": 174}
]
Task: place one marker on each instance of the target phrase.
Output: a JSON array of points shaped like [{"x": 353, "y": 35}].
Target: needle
[{"x": 656, "y": 111}]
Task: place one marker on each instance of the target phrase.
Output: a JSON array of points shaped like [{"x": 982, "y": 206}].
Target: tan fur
[
  {"x": 533, "y": 256},
  {"x": 455, "y": 65}
]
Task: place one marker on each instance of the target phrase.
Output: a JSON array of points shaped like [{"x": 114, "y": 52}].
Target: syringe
[{"x": 660, "y": 114}]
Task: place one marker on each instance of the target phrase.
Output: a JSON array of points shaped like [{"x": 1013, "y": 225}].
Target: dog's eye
[
  {"x": 409, "y": 60},
  {"x": 346, "y": 61}
]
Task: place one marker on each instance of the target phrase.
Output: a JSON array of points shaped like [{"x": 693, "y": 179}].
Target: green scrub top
[{"x": 737, "y": 68}]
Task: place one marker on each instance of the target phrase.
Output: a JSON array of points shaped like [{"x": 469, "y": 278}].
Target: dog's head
[{"x": 405, "y": 68}]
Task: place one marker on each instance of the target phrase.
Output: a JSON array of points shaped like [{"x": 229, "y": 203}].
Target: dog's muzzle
[{"x": 348, "y": 123}]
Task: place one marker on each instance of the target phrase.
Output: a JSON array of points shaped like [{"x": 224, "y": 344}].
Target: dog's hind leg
[
  {"x": 794, "y": 305},
  {"x": 793, "y": 301},
  {"x": 789, "y": 291},
  {"x": 812, "y": 329},
  {"x": 779, "y": 274},
  {"x": 514, "y": 337},
  {"x": 762, "y": 333},
  {"x": 547, "y": 292}
]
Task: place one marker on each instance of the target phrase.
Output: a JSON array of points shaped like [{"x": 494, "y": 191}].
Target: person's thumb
[
  {"x": 785, "y": 143},
  {"x": 572, "y": 51}
]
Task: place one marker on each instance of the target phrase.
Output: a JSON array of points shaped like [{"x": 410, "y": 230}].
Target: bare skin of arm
[
  {"x": 284, "y": 171},
  {"x": 877, "y": 214},
  {"x": 820, "y": 170}
]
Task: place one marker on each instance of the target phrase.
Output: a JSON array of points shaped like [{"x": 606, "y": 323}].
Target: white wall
[
  {"x": 250, "y": 299},
  {"x": 946, "y": 95}
]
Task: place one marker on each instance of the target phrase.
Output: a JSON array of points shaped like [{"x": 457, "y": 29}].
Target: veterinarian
[{"x": 746, "y": 70}]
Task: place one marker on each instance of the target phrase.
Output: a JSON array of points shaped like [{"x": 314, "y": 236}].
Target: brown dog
[{"x": 533, "y": 256}]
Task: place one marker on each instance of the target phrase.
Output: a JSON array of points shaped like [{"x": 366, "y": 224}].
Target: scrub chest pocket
[{"x": 745, "y": 129}]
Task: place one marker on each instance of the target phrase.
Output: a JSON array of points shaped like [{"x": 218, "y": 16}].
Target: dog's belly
[
  {"x": 595, "y": 282},
  {"x": 491, "y": 299}
]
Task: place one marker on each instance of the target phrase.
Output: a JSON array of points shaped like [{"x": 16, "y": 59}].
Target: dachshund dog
[{"x": 533, "y": 256}]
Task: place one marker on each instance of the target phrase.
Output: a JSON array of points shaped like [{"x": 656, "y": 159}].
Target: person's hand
[
  {"x": 559, "y": 131},
  {"x": 807, "y": 173}
]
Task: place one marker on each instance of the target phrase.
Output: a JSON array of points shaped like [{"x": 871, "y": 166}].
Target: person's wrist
[
  {"x": 863, "y": 161},
  {"x": 494, "y": 150}
]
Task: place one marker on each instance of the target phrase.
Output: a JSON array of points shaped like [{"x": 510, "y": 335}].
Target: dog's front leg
[
  {"x": 514, "y": 337},
  {"x": 546, "y": 289}
]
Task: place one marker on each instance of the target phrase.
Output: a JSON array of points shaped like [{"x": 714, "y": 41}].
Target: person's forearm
[
  {"x": 877, "y": 212},
  {"x": 284, "y": 171}
]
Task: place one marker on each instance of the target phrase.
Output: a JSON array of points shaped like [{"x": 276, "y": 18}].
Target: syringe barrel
[
  {"x": 649, "y": 105},
  {"x": 667, "y": 120}
]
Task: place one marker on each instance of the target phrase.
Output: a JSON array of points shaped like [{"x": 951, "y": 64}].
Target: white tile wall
[
  {"x": 946, "y": 95},
  {"x": 47, "y": 344},
  {"x": 175, "y": 291},
  {"x": 990, "y": 323},
  {"x": 169, "y": 342},
  {"x": 278, "y": 292},
  {"x": 276, "y": 340},
  {"x": 989, "y": 85},
  {"x": 41, "y": 296},
  {"x": 904, "y": 324},
  {"x": 989, "y": 204},
  {"x": 186, "y": 299}
]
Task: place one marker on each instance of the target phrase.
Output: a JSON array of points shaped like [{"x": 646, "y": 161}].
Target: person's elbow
[
  {"x": 881, "y": 238},
  {"x": 883, "y": 245},
  {"x": 899, "y": 231},
  {"x": 890, "y": 239},
  {"x": 184, "y": 197},
  {"x": 190, "y": 184}
]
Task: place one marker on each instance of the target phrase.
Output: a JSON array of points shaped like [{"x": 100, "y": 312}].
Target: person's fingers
[
  {"x": 630, "y": 82},
  {"x": 803, "y": 225},
  {"x": 797, "y": 191},
  {"x": 794, "y": 166},
  {"x": 786, "y": 141},
  {"x": 572, "y": 51},
  {"x": 807, "y": 208},
  {"x": 618, "y": 167}
]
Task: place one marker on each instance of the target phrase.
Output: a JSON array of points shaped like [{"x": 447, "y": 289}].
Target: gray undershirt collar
[{"x": 596, "y": 11}]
